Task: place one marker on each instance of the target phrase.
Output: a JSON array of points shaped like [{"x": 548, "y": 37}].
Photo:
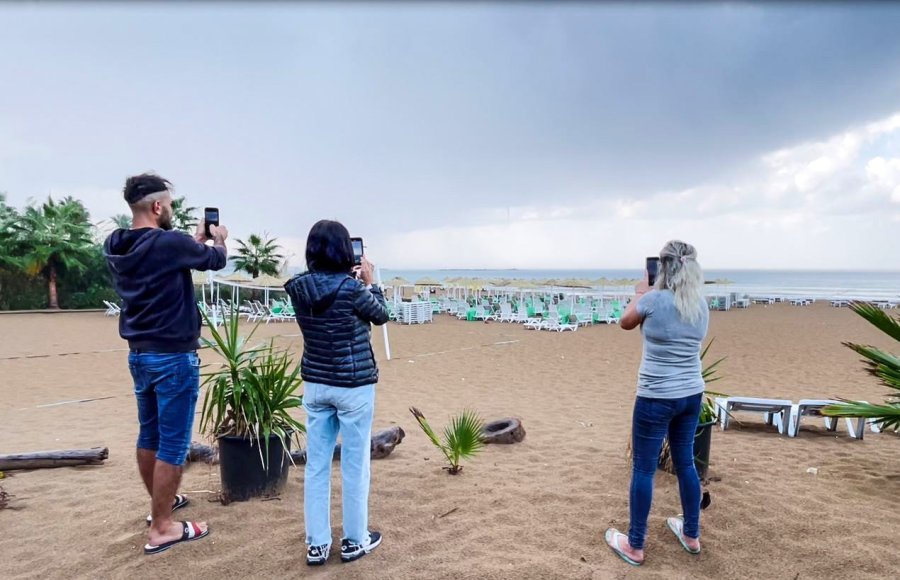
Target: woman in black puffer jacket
[{"x": 335, "y": 311}]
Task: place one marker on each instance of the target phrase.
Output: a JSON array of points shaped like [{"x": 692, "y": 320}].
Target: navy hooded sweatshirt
[{"x": 152, "y": 274}]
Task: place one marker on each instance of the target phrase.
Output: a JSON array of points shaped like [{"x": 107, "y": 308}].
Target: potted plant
[{"x": 247, "y": 409}]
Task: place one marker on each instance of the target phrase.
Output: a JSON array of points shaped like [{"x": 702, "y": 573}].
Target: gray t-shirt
[{"x": 670, "y": 366}]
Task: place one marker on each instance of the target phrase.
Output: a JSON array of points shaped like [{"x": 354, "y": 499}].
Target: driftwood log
[
  {"x": 507, "y": 430},
  {"x": 61, "y": 458},
  {"x": 383, "y": 444}
]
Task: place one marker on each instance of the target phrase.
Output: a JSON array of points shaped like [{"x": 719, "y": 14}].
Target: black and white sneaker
[
  {"x": 352, "y": 551},
  {"x": 317, "y": 555}
]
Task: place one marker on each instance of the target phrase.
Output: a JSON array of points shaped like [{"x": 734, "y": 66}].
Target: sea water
[{"x": 868, "y": 285}]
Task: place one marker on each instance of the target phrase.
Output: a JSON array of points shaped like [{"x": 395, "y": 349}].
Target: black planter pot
[
  {"x": 702, "y": 443},
  {"x": 242, "y": 472}
]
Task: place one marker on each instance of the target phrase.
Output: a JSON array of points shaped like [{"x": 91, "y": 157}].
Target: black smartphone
[
  {"x": 357, "y": 250},
  {"x": 210, "y": 218},
  {"x": 652, "y": 270}
]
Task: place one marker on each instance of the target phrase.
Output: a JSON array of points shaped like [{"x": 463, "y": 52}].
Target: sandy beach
[{"x": 537, "y": 509}]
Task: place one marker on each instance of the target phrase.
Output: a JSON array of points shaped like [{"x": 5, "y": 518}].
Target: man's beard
[{"x": 165, "y": 222}]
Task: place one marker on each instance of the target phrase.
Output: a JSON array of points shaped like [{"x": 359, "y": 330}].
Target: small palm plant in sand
[
  {"x": 462, "y": 437},
  {"x": 881, "y": 364}
]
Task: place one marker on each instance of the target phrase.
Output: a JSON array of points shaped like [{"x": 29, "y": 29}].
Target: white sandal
[{"x": 677, "y": 527}]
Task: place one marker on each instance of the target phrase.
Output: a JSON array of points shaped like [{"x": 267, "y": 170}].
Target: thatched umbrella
[
  {"x": 427, "y": 281},
  {"x": 575, "y": 283},
  {"x": 397, "y": 281},
  {"x": 235, "y": 277},
  {"x": 201, "y": 279},
  {"x": 266, "y": 281}
]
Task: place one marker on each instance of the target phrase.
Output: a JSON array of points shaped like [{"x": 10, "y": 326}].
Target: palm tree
[
  {"x": 881, "y": 364},
  {"x": 8, "y": 217},
  {"x": 54, "y": 237},
  {"x": 121, "y": 221},
  {"x": 183, "y": 218},
  {"x": 8, "y": 246},
  {"x": 258, "y": 255}
]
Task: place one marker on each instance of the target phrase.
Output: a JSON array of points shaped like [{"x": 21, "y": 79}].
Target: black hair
[
  {"x": 140, "y": 186},
  {"x": 328, "y": 248}
]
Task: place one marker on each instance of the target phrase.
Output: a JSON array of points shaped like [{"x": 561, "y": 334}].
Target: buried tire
[{"x": 507, "y": 430}]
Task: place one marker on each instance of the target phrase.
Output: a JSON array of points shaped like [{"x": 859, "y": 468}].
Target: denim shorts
[{"x": 166, "y": 386}]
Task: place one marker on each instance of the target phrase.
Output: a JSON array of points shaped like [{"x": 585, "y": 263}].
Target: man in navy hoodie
[{"x": 151, "y": 267}]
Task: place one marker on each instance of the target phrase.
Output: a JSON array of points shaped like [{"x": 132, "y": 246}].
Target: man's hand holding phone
[
  {"x": 200, "y": 232},
  {"x": 218, "y": 234}
]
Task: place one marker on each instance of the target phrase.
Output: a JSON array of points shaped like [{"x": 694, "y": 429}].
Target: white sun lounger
[
  {"x": 777, "y": 411},
  {"x": 112, "y": 309},
  {"x": 856, "y": 426}
]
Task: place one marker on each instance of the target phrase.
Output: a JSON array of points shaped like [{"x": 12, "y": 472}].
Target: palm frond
[
  {"x": 887, "y": 416},
  {"x": 710, "y": 371},
  {"x": 881, "y": 364},
  {"x": 463, "y": 436},
  {"x": 878, "y": 318},
  {"x": 423, "y": 423}
]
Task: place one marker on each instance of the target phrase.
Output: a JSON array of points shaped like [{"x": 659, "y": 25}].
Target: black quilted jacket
[{"x": 335, "y": 313}]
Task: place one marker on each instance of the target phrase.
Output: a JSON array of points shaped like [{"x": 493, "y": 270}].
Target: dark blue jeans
[
  {"x": 653, "y": 420},
  {"x": 166, "y": 386}
]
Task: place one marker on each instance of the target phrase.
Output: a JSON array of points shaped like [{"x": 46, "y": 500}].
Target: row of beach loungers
[
  {"x": 786, "y": 416},
  {"x": 252, "y": 310},
  {"x": 278, "y": 311},
  {"x": 552, "y": 317}
]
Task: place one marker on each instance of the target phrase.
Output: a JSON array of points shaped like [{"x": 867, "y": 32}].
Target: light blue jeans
[{"x": 330, "y": 410}]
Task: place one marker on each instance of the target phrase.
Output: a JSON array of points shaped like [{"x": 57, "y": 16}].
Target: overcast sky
[{"x": 477, "y": 135}]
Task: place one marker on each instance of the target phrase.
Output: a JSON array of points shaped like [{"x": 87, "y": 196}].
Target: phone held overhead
[
  {"x": 652, "y": 269},
  {"x": 357, "y": 250},
  {"x": 210, "y": 218}
]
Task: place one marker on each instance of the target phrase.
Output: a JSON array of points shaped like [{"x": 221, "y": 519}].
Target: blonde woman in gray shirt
[{"x": 673, "y": 317}]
